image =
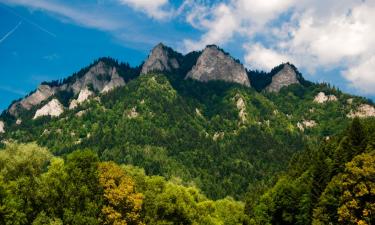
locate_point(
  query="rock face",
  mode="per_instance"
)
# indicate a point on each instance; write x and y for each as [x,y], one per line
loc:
[116,81]
[2,127]
[84,94]
[161,59]
[214,64]
[42,93]
[241,106]
[306,124]
[53,108]
[363,111]
[285,77]
[321,98]
[101,77]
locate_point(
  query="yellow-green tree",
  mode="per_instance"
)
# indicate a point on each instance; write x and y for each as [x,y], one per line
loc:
[122,203]
[350,196]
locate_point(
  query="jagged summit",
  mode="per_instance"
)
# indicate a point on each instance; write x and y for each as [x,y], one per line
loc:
[101,76]
[284,76]
[43,92]
[162,59]
[105,74]
[214,64]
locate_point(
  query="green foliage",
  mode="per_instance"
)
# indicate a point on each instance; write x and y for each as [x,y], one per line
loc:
[349,197]
[80,190]
[331,184]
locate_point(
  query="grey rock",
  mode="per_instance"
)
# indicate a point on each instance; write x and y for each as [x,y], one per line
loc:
[285,77]
[161,59]
[42,93]
[100,77]
[214,64]
[53,108]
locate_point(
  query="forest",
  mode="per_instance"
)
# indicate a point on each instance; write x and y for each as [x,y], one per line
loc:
[165,150]
[333,184]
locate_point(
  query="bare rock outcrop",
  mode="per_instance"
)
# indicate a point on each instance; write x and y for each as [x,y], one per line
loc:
[53,108]
[84,94]
[100,77]
[162,58]
[285,77]
[214,64]
[241,106]
[364,110]
[132,113]
[2,127]
[321,98]
[306,124]
[42,93]
[116,81]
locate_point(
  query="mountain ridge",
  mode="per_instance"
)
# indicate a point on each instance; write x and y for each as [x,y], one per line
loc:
[161,59]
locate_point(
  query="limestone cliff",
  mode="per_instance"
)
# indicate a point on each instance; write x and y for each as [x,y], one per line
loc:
[101,77]
[214,64]
[161,59]
[42,93]
[285,77]
[53,108]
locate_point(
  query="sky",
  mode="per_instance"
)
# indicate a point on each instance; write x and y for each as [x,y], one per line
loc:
[329,41]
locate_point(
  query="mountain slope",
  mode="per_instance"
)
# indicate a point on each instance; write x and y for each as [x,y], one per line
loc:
[225,137]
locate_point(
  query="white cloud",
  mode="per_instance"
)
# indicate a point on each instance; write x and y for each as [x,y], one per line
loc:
[259,57]
[87,18]
[362,76]
[223,21]
[220,29]
[336,38]
[153,8]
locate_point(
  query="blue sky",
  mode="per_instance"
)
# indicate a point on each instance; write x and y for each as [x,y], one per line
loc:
[50,39]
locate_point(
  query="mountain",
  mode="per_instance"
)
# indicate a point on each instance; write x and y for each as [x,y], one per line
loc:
[283,78]
[201,121]
[162,59]
[215,64]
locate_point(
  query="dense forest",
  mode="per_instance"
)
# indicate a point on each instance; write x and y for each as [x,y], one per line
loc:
[333,184]
[165,150]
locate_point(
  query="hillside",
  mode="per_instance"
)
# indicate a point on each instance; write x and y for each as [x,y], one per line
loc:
[202,119]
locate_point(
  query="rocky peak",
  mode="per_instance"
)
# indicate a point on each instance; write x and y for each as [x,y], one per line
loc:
[162,58]
[42,93]
[214,64]
[100,77]
[285,77]
[53,108]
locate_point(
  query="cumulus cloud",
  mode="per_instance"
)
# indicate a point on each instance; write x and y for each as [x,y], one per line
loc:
[362,76]
[153,8]
[259,57]
[222,21]
[220,29]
